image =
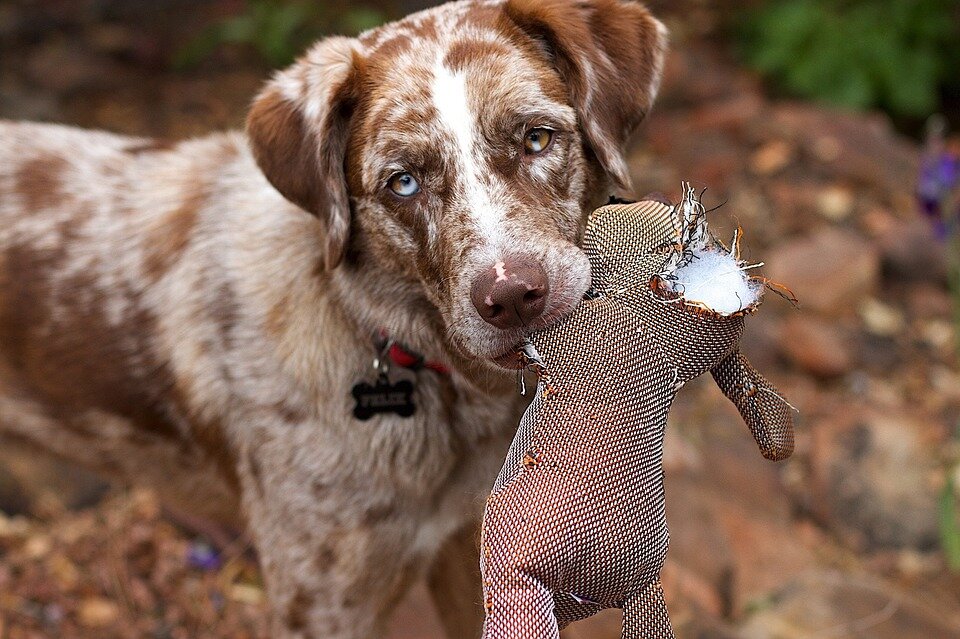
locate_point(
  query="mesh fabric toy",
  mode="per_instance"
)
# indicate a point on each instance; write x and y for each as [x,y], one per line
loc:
[575,522]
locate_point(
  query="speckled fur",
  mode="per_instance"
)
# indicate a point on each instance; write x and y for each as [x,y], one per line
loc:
[168,317]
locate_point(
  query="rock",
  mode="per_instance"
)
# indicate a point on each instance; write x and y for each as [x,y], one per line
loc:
[750,207]
[771,158]
[415,618]
[16,104]
[926,300]
[691,586]
[687,620]
[246,593]
[62,67]
[835,203]
[828,271]
[735,113]
[64,571]
[876,353]
[42,477]
[698,547]
[715,81]
[870,474]
[13,501]
[831,604]
[815,345]
[864,149]
[13,529]
[37,546]
[938,335]
[8,29]
[911,252]
[826,148]
[876,221]
[605,624]
[705,156]
[730,517]
[679,454]
[97,612]
[881,319]
[761,337]
[793,206]
[946,383]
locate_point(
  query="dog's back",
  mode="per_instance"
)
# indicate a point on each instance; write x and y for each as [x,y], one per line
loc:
[57,186]
[91,226]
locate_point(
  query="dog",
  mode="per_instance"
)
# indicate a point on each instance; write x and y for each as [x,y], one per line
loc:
[209,317]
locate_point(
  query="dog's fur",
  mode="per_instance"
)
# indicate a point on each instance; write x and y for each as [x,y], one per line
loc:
[171,314]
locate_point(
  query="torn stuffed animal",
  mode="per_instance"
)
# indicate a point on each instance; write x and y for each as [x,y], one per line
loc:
[576,522]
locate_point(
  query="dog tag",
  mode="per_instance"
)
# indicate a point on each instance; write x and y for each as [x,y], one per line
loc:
[383,397]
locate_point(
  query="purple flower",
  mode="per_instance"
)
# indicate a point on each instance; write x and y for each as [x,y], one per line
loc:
[939,176]
[202,556]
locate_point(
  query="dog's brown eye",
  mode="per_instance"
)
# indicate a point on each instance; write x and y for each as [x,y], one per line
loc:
[404,184]
[537,140]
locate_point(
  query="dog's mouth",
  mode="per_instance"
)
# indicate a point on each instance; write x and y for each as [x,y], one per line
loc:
[511,358]
[502,347]
[485,339]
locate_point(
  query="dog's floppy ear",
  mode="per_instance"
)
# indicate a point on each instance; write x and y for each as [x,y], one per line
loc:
[298,129]
[610,54]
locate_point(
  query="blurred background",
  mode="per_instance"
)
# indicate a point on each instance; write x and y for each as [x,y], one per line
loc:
[820,126]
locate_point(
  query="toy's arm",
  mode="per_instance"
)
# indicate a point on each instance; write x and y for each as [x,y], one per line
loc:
[764,410]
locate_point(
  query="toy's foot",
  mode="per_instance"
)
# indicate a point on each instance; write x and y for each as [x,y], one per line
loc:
[645,615]
[523,610]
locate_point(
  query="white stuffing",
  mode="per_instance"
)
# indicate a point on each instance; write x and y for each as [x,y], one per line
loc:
[713,278]
[701,272]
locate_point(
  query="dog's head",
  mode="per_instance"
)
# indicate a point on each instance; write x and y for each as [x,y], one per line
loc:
[462,147]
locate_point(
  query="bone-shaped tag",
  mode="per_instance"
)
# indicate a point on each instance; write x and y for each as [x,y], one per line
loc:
[383,397]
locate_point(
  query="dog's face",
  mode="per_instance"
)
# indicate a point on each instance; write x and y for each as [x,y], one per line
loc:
[462,147]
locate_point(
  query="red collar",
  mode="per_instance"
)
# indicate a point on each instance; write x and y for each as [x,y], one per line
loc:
[403,357]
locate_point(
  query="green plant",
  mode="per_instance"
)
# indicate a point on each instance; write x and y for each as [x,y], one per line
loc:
[949,522]
[894,54]
[278,30]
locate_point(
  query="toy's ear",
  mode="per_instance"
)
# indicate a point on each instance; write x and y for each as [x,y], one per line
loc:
[620,238]
[764,410]
[298,130]
[610,55]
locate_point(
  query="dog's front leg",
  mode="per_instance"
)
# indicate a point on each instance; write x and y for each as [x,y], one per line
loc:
[335,555]
[454,581]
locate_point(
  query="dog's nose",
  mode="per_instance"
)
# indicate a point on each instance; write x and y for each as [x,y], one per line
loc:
[511,294]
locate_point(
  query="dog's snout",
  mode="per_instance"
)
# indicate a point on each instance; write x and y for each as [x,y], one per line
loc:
[511,294]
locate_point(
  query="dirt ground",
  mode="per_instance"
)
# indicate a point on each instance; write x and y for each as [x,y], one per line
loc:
[843,540]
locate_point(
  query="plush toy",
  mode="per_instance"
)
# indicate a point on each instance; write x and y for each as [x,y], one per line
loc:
[575,522]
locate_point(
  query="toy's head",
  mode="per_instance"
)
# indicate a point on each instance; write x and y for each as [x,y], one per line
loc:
[666,299]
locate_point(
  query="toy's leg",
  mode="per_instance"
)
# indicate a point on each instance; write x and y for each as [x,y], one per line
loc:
[762,407]
[645,615]
[520,610]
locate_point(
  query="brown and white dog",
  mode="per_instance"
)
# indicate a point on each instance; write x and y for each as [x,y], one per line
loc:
[194,316]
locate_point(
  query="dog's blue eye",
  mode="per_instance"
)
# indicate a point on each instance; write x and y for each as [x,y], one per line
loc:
[404,184]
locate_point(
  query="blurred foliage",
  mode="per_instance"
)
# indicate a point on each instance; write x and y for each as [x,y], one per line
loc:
[950,522]
[900,55]
[278,30]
